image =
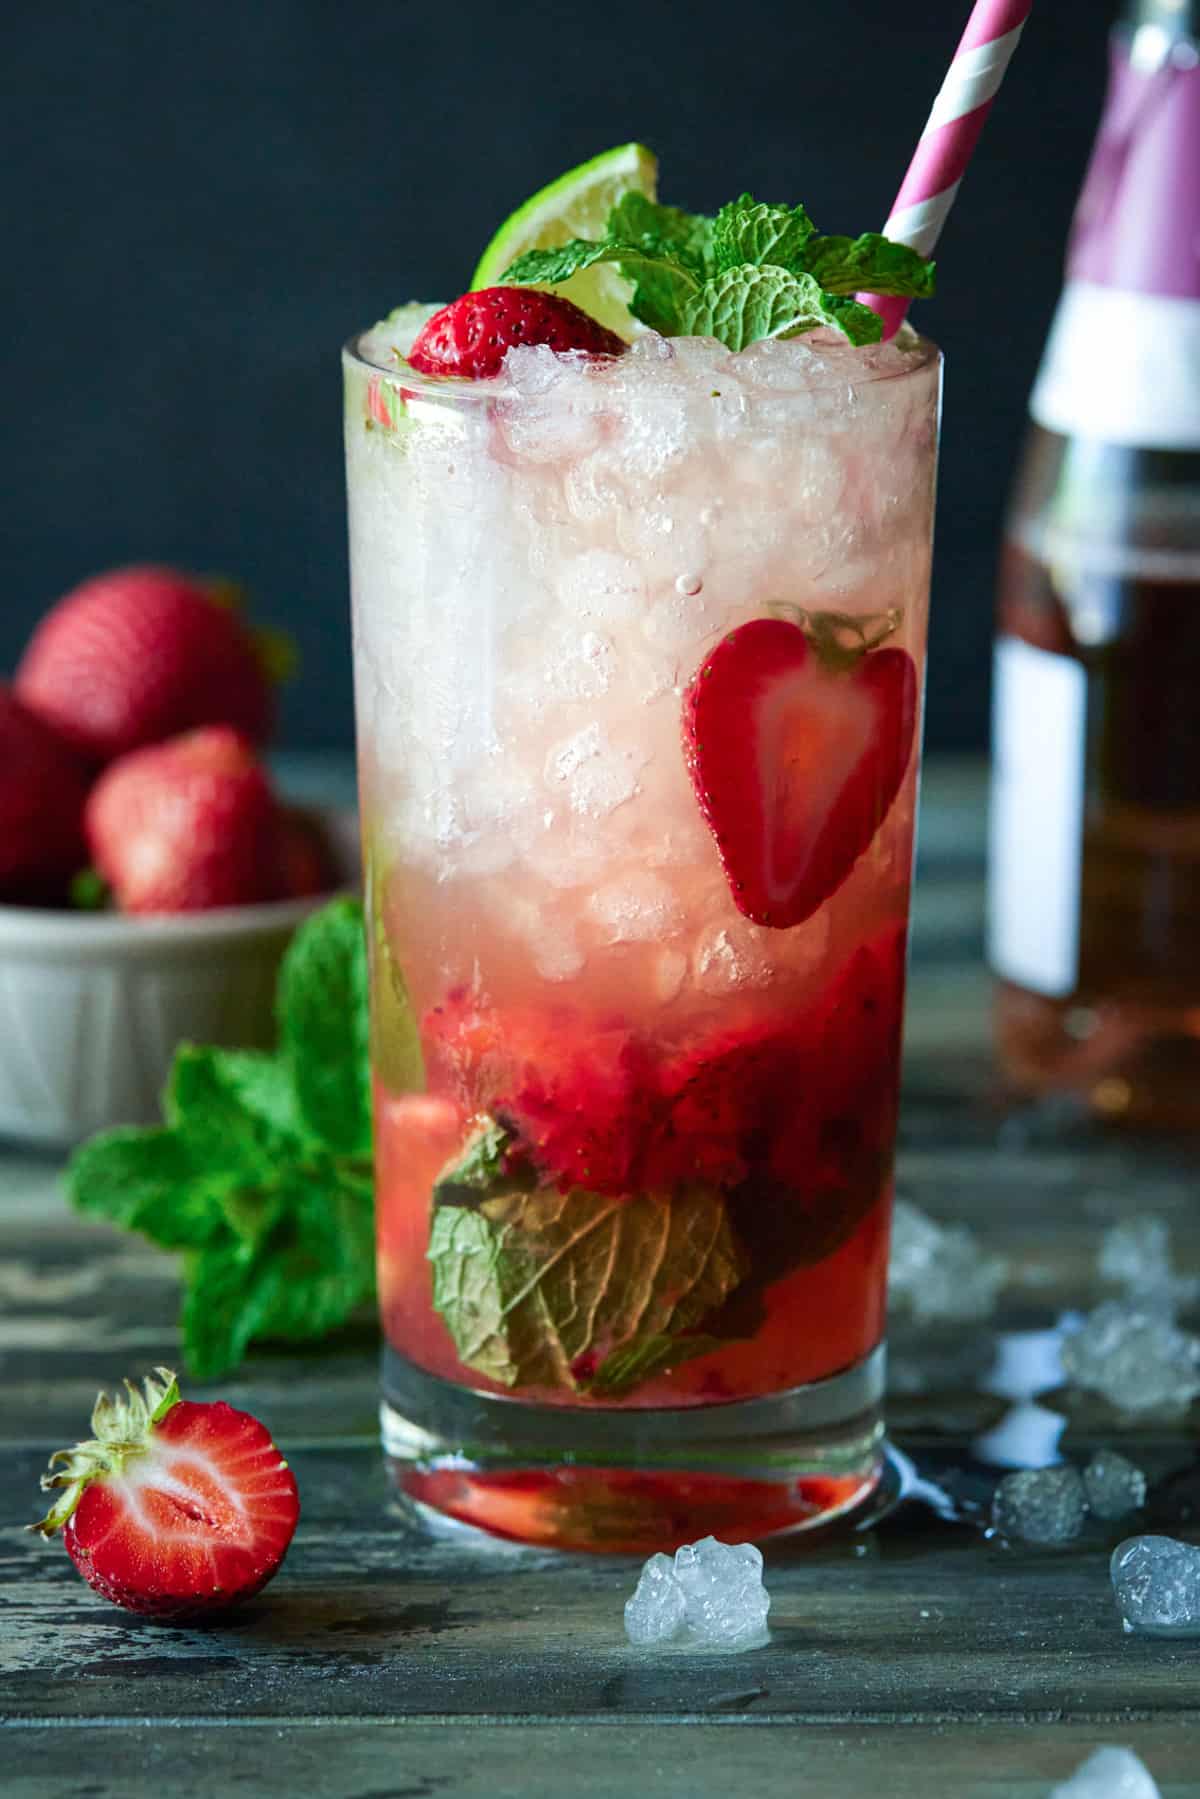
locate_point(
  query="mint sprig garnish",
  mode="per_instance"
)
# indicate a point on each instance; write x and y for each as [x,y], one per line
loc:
[574,1291]
[753,271]
[261,1174]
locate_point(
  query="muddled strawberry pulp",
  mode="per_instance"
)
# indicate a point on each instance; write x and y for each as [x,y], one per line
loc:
[619,1219]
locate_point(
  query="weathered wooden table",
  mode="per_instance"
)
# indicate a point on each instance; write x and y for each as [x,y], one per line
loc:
[918,1656]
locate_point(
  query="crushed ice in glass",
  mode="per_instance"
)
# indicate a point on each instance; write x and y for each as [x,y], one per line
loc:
[1136,1255]
[1040,1505]
[1109,1774]
[938,1271]
[1135,1356]
[1156,1581]
[711,1596]
[1114,1486]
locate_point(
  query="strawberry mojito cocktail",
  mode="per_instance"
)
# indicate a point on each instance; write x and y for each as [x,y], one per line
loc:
[640,537]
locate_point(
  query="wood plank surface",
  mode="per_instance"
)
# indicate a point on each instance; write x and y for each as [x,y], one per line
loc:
[399,1758]
[916,1655]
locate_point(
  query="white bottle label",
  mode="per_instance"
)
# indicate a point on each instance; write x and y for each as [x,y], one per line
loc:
[1035,837]
[1124,367]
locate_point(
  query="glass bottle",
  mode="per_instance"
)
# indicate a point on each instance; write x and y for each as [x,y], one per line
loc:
[1094,864]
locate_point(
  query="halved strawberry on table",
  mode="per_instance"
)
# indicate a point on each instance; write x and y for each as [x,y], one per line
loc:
[173,1508]
[796,761]
[473,334]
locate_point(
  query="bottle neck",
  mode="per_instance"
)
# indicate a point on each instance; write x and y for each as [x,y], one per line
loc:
[1123,360]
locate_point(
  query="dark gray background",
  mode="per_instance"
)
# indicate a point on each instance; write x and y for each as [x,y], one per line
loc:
[203,201]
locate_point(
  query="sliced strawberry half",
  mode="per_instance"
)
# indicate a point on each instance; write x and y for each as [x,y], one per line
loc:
[795,763]
[474,334]
[173,1508]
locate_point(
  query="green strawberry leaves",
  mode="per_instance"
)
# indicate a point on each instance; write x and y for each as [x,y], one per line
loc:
[753,271]
[261,1172]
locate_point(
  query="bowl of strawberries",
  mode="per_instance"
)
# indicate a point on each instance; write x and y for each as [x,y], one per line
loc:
[150,874]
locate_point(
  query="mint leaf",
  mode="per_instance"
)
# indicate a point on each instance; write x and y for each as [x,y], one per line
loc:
[662,282]
[323,1027]
[743,304]
[309,1267]
[235,1109]
[227,1294]
[745,231]
[629,1367]
[479,1169]
[871,263]
[262,1172]
[663,230]
[861,324]
[148,1181]
[543,1288]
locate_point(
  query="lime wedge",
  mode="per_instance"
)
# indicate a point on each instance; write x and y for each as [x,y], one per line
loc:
[577,205]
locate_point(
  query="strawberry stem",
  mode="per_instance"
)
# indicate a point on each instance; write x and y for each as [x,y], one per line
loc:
[122,1428]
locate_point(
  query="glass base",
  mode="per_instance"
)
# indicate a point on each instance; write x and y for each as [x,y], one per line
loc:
[629,1481]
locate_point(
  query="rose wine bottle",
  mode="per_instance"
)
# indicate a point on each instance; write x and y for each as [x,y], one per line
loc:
[1094,866]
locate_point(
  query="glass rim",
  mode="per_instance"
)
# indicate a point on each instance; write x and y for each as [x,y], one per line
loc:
[462,390]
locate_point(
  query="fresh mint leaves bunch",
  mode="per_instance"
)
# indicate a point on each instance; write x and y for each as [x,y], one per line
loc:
[751,272]
[261,1174]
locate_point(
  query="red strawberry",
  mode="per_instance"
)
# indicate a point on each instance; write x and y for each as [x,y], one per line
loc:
[186,825]
[721,1101]
[307,867]
[849,1121]
[173,1508]
[580,1096]
[139,654]
[43,786]
[474,333]
[795,765]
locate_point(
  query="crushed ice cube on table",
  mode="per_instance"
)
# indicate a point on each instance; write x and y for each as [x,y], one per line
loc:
[1040,1505]
[1114,1485]
[1135,1356]
[656,1612]
[710,1596]
[1136,1255]
[1109,1774]
[938,1272]
[1156,1581]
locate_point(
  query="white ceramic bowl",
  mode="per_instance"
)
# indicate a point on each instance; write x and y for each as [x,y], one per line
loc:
[92,1005]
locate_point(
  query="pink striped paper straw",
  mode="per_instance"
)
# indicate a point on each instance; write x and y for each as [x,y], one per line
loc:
[950,136]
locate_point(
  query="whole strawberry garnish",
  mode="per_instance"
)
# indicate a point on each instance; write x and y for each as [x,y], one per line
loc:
[474,333]
[795,760]
[139,654]
[186,825]
[172,1508]
[43,786]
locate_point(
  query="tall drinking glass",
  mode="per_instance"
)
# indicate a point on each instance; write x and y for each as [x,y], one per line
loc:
[638,649]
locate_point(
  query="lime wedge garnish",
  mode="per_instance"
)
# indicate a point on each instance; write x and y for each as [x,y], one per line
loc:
[577,205]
